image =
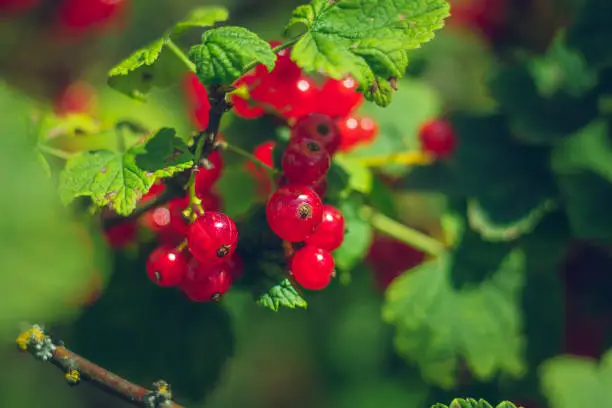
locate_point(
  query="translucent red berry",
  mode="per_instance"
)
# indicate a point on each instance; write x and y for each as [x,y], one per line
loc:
[319,127]
[211,201]
[208,174]
[197,98]
[356,130]
[205,282]
[120,235]
[294,212]
[312,267]
[320,187]
[169,217]
[212,237]
[330,234]
[262,152]
[339,97]
[302,97]
[305,161]
[82,14]
[166,266]
[438,137]
[247,108]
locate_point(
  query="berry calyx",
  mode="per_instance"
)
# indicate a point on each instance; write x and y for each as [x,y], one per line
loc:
[166,266]
[330,234]
[208,174]
[319,127]
[305,161]
[205,282]
[438,138]
[212,237]
[312,267]
[294,212]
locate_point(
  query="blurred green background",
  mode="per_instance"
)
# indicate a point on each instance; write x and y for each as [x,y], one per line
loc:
[339,353]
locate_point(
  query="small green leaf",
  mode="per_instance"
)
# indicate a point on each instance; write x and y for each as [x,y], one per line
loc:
[437,326]
[360,178]
[202,17]
[366,39]
[283,294]
[472,403]
[109,178]
[576,382]
[153,65]
[225,52]
[164,154]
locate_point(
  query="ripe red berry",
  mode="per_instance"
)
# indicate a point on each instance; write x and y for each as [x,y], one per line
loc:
[330,234]
[300,98]
[120,235]
[83,14]
[205,282]
[438,137]
[262,152]
[355,130]
[197,98]
[312,267]
[212,237]
[169,217]
[305,161]
[320,187]
[339,98]
[78,97]
[206,177]
[294,212]
[211,201]
[319,127]
[247,109]
[235,266]
[166,266]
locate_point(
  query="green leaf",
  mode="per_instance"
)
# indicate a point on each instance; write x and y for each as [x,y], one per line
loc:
[202,17]
[575,382]
[283,294]
[357,238]
[438,326]
[151,66]
[109,178]
[509,199]
[360,178]
[237,189]
[366,39]
[472,403]
[225,52]
[165,154]
[45,257]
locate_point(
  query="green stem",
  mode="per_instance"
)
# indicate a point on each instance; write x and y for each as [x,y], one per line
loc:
[180,54]
[275,50]
[193,198]
[401,232]
[62,154]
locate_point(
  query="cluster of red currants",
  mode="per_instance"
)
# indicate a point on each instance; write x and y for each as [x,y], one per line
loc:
[73,15]
[205,267]
[295,211]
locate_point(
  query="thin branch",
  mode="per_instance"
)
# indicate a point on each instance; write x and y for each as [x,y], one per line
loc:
[77,368]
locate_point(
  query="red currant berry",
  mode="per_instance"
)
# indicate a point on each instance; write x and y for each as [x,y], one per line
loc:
[82,14]
[294,212]
[305,161]
[197,98]
[205,282]
[285,70]
[118,236]
[247,109]
[166,266]
[208,175]
[319,127]
[17,6]
[302,98]
[330,234]
[262,152]
[312,267]
[155,190]
[212,238]
[211,201]
[79,97]
[235,266]
[320,187]
[438,137]
[340,98]
[355,130]
[390,258]
[369,129]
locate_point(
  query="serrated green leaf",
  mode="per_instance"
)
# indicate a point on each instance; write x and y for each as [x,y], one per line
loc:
[164,154]
[283,294]
[437,326]
[151,66]
[472,403]
[360,178]
[202,17]
[575,382]
[368,40]
[226,51]
[109,178]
